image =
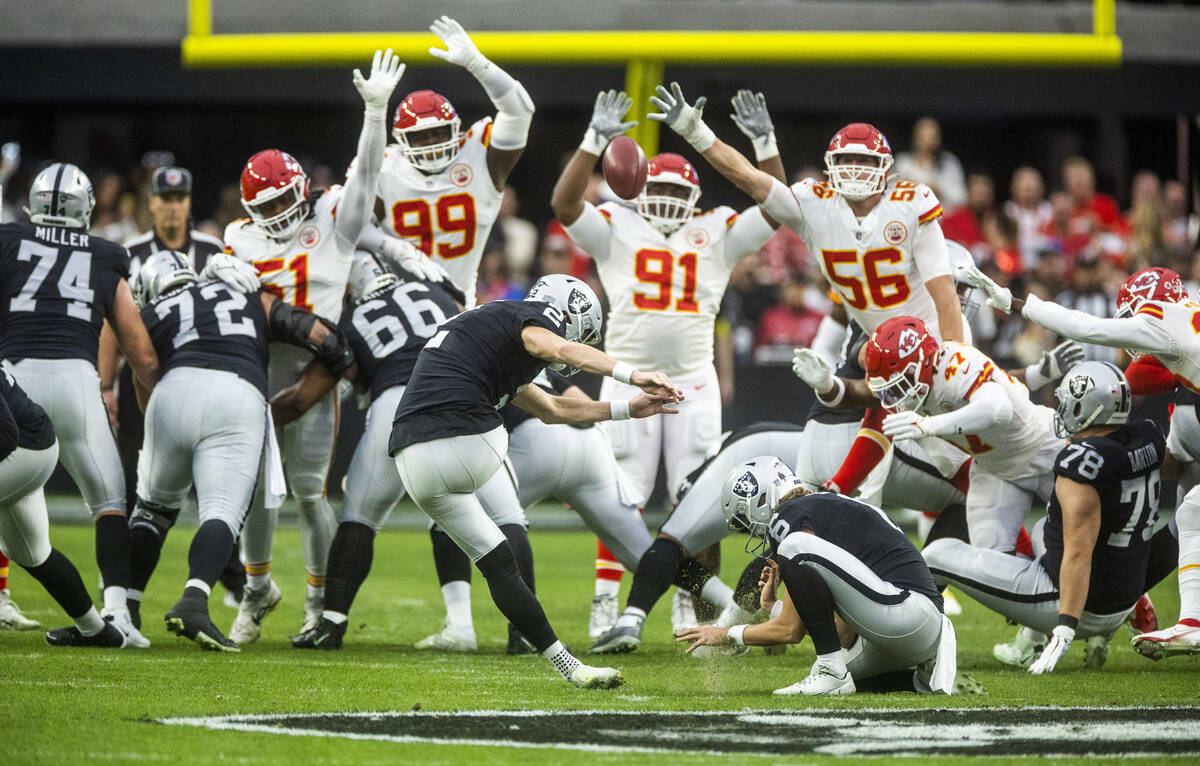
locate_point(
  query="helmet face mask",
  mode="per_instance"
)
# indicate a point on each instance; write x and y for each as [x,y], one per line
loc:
[669,197]
[162,272]
[61,195]
[427,129]
[579,306]
[857,161]
[1091,394]
[902,391]
[899,362]
[275,193]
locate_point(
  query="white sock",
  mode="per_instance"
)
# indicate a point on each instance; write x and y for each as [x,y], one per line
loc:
[457,595]
[607,587]
[564,662]
[316,592]
[1187,520]
[133,595]
[200,584]
[733,615]
[114,597]
[259,581]
[717,593]
[835,661]
[632,617]
[91,623]
[335,617]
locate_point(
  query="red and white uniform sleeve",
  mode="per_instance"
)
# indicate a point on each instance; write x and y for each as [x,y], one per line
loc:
[781,204]
[591,231]
[747,234]
[358,193]
[929,251]
[1141,332]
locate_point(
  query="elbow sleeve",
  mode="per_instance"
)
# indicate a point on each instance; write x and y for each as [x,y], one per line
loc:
[293,325]
[514,113]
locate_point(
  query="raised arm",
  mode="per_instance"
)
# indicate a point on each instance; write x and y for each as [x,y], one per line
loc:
[358,194]
[832,391]
[752,118]
[514,107]
[607,123]
[134,342]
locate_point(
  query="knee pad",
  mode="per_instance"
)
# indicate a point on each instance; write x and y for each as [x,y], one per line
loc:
[991,534]
[157,518]
[1187,515]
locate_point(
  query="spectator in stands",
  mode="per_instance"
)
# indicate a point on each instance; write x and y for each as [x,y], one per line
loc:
[112,217]
[787,325]
[1092,211]
[1029,209]
[495,280]
[520,237]
[1147,243]
[229,209]
[1088,293]
[965,225]
[1145,188]
[1180,228]
[928,163]
[10,160]
[1059,228]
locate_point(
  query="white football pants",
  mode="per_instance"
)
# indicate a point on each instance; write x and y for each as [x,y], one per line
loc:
[24,523]
[996,508]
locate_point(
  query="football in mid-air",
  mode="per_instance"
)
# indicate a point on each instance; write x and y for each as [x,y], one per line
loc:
[625,167]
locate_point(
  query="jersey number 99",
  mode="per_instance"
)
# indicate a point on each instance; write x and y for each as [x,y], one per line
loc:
[413,220]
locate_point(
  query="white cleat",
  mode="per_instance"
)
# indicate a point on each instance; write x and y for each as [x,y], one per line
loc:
[1097,652]
[821,680]
[1168,642]
[683,611]
[449,639]
[950,605]
[314,604]
[256,604]
[1020,652]
[124,622]
[11,617]
[588,677]
[605,611]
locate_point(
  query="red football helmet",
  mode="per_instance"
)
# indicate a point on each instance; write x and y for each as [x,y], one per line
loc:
[899,363]
[665,211]
[1152,284]
[858,180]
[275,192]
[426,127]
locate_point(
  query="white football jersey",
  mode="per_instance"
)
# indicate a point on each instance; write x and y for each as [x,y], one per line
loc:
[1009,450]
[664,291]
[448,214]
[1180,321]
[870,264]
[310,271]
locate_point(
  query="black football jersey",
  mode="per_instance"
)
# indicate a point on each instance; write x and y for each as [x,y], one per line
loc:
[56,287]
[469,370]
[388,329]
[198,246]
[34,430]
[549,381]
[861,530]
[847,368]
[1123,466]
[212,326]
[690,480]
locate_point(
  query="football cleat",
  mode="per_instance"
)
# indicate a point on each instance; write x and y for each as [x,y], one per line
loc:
[314,604]
[11,617]
[683,612]
[588,677]
[821,680]
[619,640]
[518,644]
[1183,638]
[110,637]
[964,684]
[189,618]
[1143,619]
[449,639]
[604,615]
[327,635]
[124,622]
[1097,652]
[256,604]
[950,605]
[1021,651]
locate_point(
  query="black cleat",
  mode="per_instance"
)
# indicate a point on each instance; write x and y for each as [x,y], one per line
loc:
[327,635]
[189,618]
[619,640]
[109,637]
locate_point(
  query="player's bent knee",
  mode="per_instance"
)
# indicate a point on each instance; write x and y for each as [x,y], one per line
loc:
[992,534]
[157,518]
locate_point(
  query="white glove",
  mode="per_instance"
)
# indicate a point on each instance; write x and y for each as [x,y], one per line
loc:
[460,49]
[687,121]
[813,370]
[232,271]
[1060,642]
[405,255]
[1053,364]
[386,71]
[752,118]
[607,115]
[999,297]
[905,425]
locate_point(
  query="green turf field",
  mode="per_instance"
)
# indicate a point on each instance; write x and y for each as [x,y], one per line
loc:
[102,706]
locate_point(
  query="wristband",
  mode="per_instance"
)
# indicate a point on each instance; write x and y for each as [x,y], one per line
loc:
[593,143]
[1068,621]
[840,385]
[735,634]
[1034,379]
[623,373]
[765,147]
[619,410]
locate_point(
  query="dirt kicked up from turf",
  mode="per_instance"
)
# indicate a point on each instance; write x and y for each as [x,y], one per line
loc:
[1111,732]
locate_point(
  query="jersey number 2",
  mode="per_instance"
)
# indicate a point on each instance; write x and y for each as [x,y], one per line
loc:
[413,219]
[657,267]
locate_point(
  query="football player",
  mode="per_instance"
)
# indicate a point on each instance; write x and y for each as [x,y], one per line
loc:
[448,437]
[664,268]
[1097,534]
[59,285]
[1154,317]
[206,420]
[386,325]
[842,561]
[28,453]
[302,245]
[440,189]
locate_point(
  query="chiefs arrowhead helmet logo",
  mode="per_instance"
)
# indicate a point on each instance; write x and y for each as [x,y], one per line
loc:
[908,341]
